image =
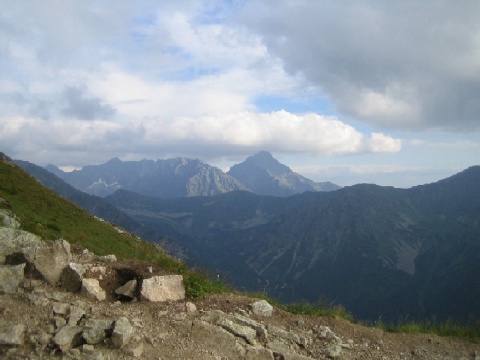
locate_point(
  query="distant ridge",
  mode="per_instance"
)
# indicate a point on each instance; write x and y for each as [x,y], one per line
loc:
[265,175]
[179,177]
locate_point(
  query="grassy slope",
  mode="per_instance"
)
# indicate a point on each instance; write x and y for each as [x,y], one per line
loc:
[48,215]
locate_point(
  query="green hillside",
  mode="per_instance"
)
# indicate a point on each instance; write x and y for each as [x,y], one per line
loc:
[48,215]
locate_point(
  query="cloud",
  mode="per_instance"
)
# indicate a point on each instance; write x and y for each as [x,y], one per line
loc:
[45,141]
[78,106]
[403,65]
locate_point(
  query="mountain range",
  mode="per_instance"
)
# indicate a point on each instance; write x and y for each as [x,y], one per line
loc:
[180,177]
[383,253]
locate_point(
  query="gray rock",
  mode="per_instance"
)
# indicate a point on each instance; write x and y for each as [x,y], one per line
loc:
[190,307]
[76,314]
[122,332]
[72,276]
[60,308]
[91,288]
[262,308]
[8,219]
[95,330]
[13,241]
[109,258]
[51,259]
[259,353]
[12,335]
[288,335]
[68,337]
[163,288]
[333,351]
[135,350]
[245,332]
[10,278]
[128,290]
[259,328]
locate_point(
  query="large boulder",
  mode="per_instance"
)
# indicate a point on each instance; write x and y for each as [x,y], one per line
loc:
[163,288]
[51,259]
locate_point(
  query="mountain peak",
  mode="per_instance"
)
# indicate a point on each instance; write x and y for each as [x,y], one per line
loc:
[265,175]
[265,160]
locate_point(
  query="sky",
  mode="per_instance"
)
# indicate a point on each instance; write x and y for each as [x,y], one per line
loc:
[365,91]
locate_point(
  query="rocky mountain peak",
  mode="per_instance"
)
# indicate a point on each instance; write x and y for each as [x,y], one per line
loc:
[265,175]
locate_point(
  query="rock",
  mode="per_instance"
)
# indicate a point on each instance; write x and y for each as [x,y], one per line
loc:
[108,258]
[333,351]
[88,349]
[13,241]
[68,337]
[163,288]
[245,332]
[72,276]
[122,332]
[51,259]
[259,328]
[91,288]
[262,308]
[76,314]
[8,219]
[60,308]
[190,307]
[10,278]
[12,335]
[128,290]
[288,335]
[95,330]
[135,350]
[259,353]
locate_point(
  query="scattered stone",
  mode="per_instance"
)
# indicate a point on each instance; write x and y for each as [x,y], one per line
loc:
[288,335]
[68,337]
[190,307]
[262,308]
[108,258]
[135,350]
[12,335]
[333,351]
[128,290]
[95,330]
[91,288]
[245,332]
[259,353]
[163,288]
[88,349]
[122,332]
[72,276]
[98,270]
[60,308]
[8,219]
[259,328]
[76,314]
[10,278]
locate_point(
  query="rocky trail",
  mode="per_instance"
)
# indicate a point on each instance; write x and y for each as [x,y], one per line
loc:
[59,301]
